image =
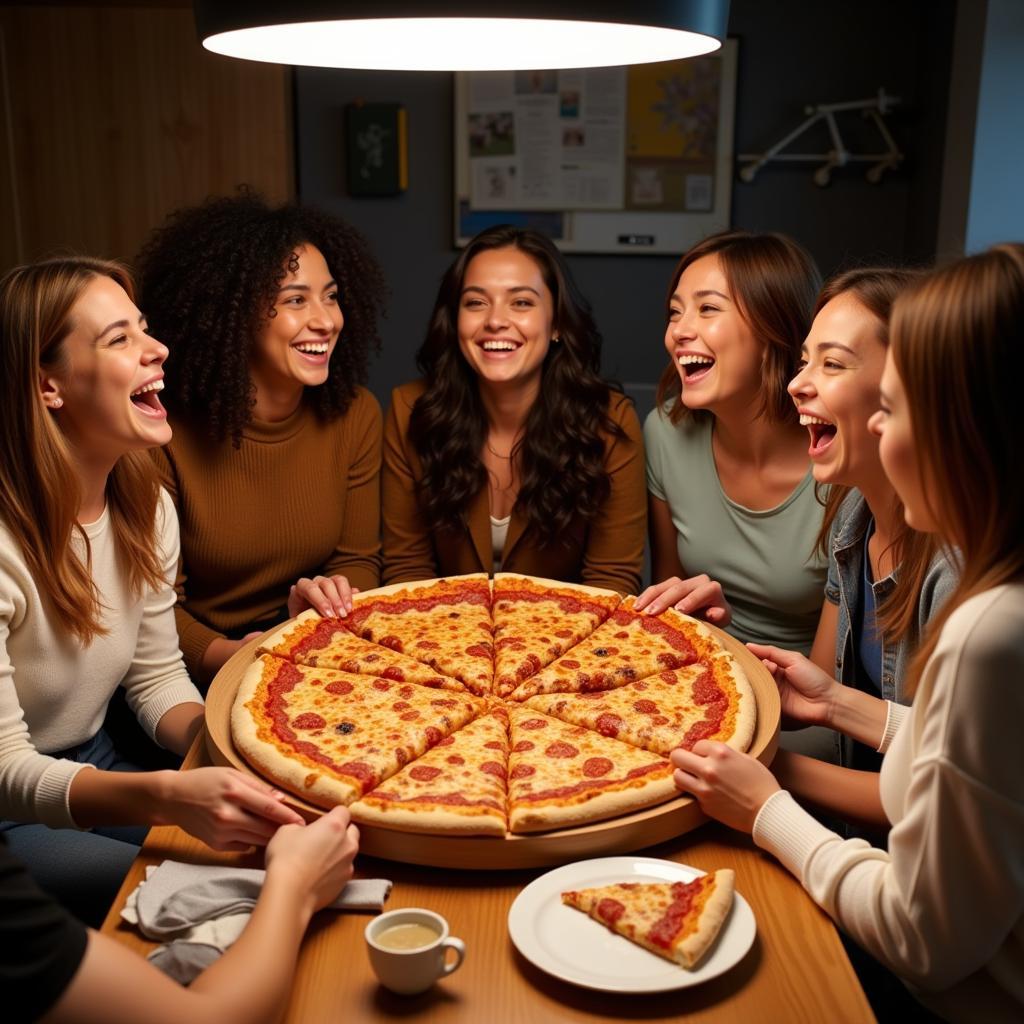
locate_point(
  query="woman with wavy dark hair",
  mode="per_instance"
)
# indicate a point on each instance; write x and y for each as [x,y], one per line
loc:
[733,513]
[512,452]
[270,314]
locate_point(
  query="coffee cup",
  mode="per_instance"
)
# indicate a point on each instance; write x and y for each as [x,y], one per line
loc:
[409,949]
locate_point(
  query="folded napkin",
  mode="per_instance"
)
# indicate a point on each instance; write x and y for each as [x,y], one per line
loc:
[202,909]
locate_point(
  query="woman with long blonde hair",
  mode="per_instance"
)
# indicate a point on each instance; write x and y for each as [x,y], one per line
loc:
[944,907]
[88,547]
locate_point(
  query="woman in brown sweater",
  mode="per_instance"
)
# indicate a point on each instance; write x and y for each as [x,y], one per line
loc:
[269,315]
[512,453]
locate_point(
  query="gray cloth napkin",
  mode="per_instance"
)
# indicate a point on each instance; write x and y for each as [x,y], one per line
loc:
[203,909]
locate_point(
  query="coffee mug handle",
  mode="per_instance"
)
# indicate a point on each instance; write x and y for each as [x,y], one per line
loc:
[460,954]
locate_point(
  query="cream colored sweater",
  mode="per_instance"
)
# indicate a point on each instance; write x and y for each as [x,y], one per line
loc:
[54,692]
[944,908]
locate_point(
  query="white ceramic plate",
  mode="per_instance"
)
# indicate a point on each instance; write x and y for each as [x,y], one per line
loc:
[572,946]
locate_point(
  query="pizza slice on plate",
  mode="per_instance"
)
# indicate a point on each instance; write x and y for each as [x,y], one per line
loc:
[443,623]
[677,920]
[457,788]
[712,701]
[331,736]
[536,620]
[561,775]
[627,647]
[328,643]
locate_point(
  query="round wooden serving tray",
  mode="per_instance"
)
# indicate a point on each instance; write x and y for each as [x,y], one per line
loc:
[619,835]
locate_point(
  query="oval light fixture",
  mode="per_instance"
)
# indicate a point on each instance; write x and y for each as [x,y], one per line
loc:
[457,36]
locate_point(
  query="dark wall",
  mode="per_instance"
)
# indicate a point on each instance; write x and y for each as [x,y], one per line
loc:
[792,53]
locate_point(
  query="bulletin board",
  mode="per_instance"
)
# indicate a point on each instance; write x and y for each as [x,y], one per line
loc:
[632,159]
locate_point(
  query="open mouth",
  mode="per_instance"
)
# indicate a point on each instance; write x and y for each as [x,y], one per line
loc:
[500,346]
[313,351]
[695,367]
[822,433]
[147,399]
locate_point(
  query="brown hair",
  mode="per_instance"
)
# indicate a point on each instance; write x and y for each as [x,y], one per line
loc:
[958,346]
[876,289]
[39,492]
[773,281]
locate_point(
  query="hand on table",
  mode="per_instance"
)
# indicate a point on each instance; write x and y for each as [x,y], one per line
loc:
[317,859]
[225,808]
[806,691]
[729,786]
[331,596]
[699,596]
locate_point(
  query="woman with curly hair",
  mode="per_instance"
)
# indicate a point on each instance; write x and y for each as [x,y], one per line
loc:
[512,453]
[269,314]
[88,552]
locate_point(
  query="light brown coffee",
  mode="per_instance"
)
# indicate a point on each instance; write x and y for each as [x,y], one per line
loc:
[407,936]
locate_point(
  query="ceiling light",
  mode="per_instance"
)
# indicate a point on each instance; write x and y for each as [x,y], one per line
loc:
[454,36]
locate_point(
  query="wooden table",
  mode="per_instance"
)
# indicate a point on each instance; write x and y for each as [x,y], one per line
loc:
[796,970]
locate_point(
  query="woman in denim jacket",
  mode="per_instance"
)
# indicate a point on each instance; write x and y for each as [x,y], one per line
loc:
[885,580]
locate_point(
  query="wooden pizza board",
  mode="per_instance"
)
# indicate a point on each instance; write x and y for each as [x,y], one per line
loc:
[619,835]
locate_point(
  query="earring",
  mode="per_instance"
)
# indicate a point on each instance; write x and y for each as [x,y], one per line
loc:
[555,340]
[56,403]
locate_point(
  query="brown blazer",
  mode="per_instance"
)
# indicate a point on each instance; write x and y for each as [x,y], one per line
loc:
[607,552]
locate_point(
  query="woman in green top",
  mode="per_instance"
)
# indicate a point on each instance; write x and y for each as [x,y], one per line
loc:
[732,510]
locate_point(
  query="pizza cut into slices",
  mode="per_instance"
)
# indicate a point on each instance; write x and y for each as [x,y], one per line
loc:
[443,623]
[536,620]
[332,736]
[456,788]
[561,775]
[329,643]
[627,647]
[711,700]
[677,920]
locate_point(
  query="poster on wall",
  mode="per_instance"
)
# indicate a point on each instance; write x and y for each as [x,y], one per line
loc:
[629,159]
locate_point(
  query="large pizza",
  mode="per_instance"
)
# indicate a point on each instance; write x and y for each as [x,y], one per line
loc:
[470,706]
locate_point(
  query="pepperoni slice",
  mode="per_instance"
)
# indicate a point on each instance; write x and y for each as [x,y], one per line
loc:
[434,736]
[339,689]
[381,684]
[561,749]
[522,771]
[595,767]
[423,773]
[447,741]
[522,746]
[394,674]
[401,705]
[495,745]
[533,723]
[608,724]
[610,910]
[308,721]
[454,759]
[645,707]
[409,716]
[493,768]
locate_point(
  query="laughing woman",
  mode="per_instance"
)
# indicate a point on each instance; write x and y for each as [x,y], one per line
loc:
[733,513]
[512,453]
[944,908]
[275,464]
[88,546]
[885,580]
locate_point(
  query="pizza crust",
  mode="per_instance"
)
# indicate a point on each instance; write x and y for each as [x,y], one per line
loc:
[716,909]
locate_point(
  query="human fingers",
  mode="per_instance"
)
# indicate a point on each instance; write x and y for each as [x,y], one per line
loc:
[653,591]
[305,593]
[779,655]
[705,598]
[337,593]
[262,801]
[670,593]
[687,783]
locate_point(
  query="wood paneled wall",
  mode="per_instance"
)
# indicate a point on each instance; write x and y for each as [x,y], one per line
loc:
[113,116]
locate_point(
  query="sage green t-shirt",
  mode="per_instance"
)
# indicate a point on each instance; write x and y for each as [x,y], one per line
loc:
[764,561]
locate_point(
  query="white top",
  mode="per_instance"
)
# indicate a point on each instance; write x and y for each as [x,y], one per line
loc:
[944,908]
[499,531]
[54,692]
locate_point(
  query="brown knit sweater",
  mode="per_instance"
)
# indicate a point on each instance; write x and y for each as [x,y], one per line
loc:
[299,497]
